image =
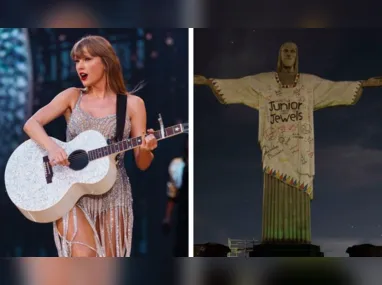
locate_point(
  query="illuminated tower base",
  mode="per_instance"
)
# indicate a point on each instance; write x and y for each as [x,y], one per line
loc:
[286,227]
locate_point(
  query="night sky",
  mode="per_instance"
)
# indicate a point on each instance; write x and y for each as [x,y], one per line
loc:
[348,140]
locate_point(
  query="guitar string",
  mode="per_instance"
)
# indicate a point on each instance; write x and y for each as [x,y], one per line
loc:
[156,132]
[80,155]
[86,154]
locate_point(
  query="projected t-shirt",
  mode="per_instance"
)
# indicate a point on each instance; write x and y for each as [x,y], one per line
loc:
[286,130]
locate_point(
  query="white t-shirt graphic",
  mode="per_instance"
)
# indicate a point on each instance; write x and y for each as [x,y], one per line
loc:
[286,129]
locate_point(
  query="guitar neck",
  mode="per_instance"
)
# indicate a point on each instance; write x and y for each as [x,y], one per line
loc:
[132,143]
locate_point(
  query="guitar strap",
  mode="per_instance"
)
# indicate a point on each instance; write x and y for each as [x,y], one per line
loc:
[121,116]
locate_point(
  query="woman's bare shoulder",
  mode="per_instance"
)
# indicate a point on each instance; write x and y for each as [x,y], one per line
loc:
[71,95]
[71,91]
[135,103]
[134,99]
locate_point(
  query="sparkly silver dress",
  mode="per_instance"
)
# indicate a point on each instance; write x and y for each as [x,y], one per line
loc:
[110,215]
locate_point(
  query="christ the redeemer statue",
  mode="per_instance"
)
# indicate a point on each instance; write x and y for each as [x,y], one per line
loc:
[286,100]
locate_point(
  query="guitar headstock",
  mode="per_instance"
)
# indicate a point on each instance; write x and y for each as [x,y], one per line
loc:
[185,127]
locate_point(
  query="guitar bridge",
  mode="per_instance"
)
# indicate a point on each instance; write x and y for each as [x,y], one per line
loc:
[48,170]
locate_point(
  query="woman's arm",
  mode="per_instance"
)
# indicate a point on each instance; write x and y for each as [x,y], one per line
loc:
[143,154]
[34,127]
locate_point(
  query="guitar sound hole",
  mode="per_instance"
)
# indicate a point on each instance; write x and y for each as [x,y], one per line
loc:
[78,160]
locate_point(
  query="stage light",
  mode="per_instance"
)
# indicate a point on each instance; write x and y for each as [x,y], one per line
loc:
[169,41]
[15,88]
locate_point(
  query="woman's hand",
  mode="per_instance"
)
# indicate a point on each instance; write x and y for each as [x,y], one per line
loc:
[149,143]
[57,156]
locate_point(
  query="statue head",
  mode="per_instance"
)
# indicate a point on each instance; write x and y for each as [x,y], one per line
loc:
[288,57]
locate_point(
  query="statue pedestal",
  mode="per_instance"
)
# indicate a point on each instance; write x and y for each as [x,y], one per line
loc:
[286,250]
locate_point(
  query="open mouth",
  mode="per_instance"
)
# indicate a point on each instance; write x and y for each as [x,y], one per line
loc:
[83,76]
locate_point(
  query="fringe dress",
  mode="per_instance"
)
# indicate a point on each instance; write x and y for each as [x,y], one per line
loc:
[110,215]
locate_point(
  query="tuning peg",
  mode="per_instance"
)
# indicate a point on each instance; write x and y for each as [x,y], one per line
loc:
[185,127]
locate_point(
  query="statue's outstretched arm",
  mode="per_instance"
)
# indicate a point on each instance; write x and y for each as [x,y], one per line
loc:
[372,82]
[232,91]
[202,80]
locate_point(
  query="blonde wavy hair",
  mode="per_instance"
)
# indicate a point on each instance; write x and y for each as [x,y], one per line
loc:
[99,46]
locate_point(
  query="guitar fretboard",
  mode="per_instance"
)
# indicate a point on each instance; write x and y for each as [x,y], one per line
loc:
[132,143]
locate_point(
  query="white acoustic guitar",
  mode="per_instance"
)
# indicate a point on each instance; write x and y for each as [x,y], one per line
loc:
[44,193]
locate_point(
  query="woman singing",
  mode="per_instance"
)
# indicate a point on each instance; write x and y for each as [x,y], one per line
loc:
[97,225]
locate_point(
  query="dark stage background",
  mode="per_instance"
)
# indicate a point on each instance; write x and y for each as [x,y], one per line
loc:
[35,65]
